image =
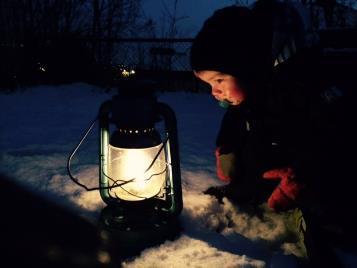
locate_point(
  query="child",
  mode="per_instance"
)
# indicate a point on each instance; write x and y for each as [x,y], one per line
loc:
[237,65]
[281,124]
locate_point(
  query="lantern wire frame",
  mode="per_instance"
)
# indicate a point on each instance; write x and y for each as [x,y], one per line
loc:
[114,181]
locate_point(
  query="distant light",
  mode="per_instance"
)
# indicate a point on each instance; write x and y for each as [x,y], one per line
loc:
[42,67]
[125,73]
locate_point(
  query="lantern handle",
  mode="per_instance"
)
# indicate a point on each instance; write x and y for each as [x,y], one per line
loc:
[75,180]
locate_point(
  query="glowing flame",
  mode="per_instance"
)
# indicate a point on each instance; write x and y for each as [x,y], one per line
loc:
[132,165]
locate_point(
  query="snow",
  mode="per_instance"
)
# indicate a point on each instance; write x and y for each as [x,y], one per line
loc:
[40,126]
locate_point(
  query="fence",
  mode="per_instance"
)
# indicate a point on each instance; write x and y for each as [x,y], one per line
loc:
[145,53]
[62,60]
[164,60]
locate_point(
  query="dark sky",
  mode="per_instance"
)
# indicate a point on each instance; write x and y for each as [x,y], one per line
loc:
[195,10]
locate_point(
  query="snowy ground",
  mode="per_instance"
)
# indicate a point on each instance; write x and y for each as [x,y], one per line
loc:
[40,126]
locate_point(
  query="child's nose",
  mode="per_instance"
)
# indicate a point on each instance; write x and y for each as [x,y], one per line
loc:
[216,91]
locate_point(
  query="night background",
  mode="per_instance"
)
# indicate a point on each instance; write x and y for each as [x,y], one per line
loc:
[61,59]
[91,41]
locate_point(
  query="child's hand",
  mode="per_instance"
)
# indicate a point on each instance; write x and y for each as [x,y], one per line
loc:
[285,195]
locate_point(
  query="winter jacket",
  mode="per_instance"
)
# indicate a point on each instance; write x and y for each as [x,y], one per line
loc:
[300,125]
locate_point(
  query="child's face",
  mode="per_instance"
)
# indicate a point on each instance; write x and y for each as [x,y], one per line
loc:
[225,87]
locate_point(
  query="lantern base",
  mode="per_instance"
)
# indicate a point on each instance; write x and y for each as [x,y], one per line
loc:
[125,234]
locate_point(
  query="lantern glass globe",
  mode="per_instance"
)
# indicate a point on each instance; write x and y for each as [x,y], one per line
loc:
[134,165]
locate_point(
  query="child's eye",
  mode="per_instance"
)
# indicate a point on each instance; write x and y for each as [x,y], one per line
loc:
[219,80]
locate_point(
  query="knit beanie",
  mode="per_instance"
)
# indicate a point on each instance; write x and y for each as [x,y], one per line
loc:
[238,41]
[230,42]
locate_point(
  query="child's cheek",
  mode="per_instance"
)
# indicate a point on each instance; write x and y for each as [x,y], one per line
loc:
[237,94]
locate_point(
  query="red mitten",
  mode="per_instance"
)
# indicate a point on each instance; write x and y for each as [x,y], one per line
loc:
[285,195]
[225,165]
